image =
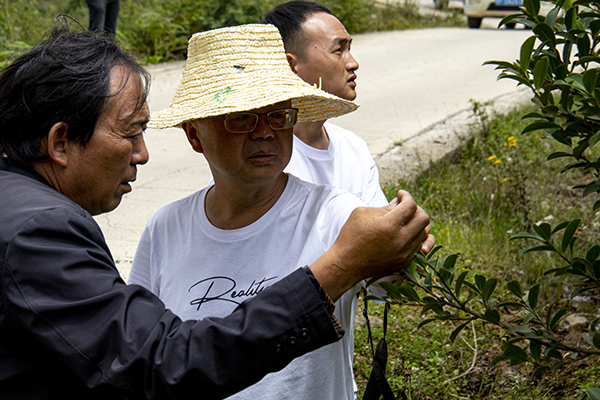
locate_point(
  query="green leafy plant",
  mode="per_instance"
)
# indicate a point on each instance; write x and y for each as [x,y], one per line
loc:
[559,63]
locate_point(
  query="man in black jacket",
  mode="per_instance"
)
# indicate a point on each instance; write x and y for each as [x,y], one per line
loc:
[72,115]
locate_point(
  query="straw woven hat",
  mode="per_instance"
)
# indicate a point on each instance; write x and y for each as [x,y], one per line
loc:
[241,68]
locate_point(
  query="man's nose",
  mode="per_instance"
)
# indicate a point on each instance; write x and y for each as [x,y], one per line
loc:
[352,64]
[263,130]
[140,152]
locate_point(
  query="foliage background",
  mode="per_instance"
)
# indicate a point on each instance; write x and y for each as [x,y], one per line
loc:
[158,30]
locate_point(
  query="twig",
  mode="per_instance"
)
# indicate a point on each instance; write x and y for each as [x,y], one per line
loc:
[472,367]
[458,397]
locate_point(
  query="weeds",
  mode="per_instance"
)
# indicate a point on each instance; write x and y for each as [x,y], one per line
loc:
[158,30]
[474,210]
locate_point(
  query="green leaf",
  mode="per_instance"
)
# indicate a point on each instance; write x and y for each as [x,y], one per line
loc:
[499,64]
[557,317]
[569,232]
[411,272]
[556,366]
[596,206]
[588,59]
[551,16]
[480,281]
[510,304]
[578,164]
[409,292]
[525,235]
[544,230]
[538,373]
[515,288]
[532,296]
[592,393]
[528,317]
[497,359]
[553,353]
[593,253]
[560,226]
[540,70]
[558,154]
[532,7]
[539,125]
[545,34]
[433,251]
[488,289]
[517,78]
[518,329]
[589,80]
[593,338]
[392,291]
[594,139]
[526,49]
[427,321]
[583,45]
[536,350]
[492,316]
[471,286]
[449,261]
[591,188]
[511,18]
[455,332]
[436,308]
[537,248]
[515,353]
[459,282]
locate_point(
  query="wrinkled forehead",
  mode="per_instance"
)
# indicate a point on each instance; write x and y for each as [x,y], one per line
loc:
[127,95]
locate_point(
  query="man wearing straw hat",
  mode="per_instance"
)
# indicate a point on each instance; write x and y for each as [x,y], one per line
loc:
[72,116]
[205,254]
[317,47]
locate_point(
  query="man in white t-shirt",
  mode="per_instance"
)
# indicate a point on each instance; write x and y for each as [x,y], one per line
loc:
[205,254]
[318,49]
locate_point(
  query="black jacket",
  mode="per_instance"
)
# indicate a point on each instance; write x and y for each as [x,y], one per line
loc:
[70,328]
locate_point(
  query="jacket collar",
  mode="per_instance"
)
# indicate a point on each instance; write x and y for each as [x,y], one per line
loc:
[21,169]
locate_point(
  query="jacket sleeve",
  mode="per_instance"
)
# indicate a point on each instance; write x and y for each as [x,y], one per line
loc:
[60,283]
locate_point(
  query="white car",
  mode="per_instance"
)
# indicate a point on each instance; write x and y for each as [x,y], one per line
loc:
[476,10]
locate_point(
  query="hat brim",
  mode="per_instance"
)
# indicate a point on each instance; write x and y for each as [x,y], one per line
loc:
[240,69]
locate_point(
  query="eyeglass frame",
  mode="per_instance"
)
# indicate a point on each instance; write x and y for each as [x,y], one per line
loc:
[258,115]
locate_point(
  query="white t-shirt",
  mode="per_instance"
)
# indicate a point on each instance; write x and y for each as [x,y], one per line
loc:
[199,271]
[346,164]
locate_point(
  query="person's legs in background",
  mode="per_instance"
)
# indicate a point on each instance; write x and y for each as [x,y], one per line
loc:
[97,14]
[112,13]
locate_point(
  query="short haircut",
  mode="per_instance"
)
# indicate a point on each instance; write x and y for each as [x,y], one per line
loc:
[65,78]
[288,18]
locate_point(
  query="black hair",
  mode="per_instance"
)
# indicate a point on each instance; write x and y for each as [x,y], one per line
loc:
[288,18]
[65,78]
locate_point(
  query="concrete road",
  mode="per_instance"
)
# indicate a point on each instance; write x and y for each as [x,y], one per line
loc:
[407,82]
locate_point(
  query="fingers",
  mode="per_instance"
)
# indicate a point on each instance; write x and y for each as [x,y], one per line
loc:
[428,244]
[404,209]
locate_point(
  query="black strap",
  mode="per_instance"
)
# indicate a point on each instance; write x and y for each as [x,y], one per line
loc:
[378,385]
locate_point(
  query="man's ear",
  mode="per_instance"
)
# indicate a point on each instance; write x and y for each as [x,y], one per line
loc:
[293,61]
[192,133]
[58,144]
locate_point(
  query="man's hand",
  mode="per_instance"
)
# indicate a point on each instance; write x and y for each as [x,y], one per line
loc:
[374,242]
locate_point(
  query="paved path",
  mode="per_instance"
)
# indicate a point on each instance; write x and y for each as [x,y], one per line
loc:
[407,82]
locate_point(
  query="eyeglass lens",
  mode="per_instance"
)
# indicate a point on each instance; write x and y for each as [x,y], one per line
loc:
[244,122]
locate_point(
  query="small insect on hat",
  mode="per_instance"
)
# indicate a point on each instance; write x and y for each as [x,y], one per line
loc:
[241,68]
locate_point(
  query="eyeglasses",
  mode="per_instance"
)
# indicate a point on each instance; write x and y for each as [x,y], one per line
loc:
[245,122]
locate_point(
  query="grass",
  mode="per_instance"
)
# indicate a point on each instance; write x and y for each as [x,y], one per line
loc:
[158,30]
[476,203]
